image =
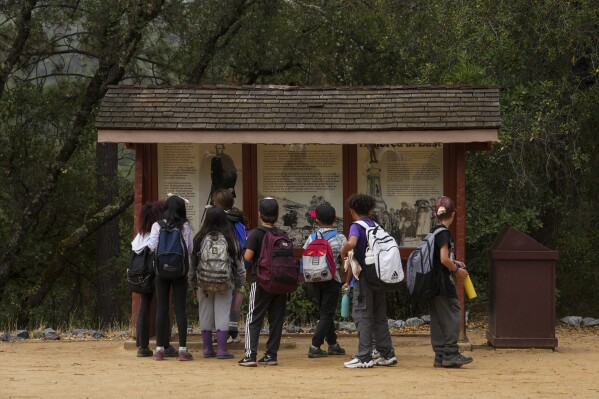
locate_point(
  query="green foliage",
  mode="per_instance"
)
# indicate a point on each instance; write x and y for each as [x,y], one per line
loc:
[538,177]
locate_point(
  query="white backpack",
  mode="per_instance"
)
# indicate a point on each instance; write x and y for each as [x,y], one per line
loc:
[383,269]
[215,270]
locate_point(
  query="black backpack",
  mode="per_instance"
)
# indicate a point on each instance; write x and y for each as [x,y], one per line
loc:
[140,272]
[171,261]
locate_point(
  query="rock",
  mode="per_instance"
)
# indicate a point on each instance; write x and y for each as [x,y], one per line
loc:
[572,320]
[265,331]
[5,337]
[414,321]
[97,335]
[49,333]
[426,318]
[294,330]
[589,322]
[38,335]
[347,326]
[23,334]
[396,323]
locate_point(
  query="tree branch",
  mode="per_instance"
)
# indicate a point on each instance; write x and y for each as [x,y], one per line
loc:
[72,242]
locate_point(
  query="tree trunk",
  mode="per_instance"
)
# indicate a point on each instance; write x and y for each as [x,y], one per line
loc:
[108,306]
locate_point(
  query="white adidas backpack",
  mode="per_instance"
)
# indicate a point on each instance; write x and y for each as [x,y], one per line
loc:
[383,269]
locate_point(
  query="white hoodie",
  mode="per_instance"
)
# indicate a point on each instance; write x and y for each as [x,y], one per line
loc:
[140,242]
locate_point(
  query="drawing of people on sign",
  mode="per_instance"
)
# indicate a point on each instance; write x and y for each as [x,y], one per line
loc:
[223,172]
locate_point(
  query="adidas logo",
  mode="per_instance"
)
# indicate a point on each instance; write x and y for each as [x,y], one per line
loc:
[394,276]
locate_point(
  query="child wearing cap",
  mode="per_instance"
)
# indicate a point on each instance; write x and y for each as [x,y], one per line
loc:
[444,308]
[327,293]
[260,301]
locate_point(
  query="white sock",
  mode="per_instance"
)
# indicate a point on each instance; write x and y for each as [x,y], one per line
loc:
[183,349]
[160,349]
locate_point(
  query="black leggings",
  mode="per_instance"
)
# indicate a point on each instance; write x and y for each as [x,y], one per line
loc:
[143,322]
[163,288]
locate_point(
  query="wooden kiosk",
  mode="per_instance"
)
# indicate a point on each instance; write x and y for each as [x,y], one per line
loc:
[404,145]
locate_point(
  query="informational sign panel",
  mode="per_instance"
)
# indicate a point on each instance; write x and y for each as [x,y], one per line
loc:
[300,177]
[405,180]
[193,171]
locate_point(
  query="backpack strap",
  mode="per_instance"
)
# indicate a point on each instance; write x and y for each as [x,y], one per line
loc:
[328,235]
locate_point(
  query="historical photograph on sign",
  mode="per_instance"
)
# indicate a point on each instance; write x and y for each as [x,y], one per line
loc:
[195,171]
[405,180]
[300,177]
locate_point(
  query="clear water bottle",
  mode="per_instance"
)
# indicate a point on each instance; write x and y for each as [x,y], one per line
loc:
[345,304]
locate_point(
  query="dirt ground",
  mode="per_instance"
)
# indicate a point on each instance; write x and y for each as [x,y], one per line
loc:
[105,369]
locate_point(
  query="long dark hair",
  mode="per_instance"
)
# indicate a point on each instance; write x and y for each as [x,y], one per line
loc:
[174,211]
[216,220]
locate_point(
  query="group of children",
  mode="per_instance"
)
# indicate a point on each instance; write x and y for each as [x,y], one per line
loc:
[369,305]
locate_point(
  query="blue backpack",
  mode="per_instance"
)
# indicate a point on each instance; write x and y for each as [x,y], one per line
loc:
[240,232]
[170,257]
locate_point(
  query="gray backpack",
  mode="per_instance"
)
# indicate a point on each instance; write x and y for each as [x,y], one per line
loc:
[423,279]
[215,270]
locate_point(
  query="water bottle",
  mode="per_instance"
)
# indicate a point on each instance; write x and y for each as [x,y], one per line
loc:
[345,304]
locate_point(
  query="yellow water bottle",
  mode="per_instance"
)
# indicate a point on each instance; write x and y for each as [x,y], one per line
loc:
[469,288]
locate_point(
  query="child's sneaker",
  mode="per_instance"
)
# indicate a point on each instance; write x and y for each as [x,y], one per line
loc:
[375,355]
[170,351]
[336,349]
[247,362]
[358,364]
[144,352]
[185,356]
[315,352]
[456,360]
[388,360]
[268,360]
[158,355]
[232,340]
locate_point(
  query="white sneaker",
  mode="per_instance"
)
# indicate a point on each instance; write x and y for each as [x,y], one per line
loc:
[231,340]
[358,364]
[375,354]
[381,361]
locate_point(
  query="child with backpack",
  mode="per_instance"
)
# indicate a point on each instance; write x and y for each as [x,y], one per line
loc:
[148,214]
[216,269]
[444,307]
[223,198]
[261,300]
[369,305]
[326,292]
[174,229]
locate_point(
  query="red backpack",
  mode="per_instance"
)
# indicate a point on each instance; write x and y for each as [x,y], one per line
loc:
[277,271]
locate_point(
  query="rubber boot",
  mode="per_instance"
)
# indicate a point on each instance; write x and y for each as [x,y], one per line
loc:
[207,340]
[221,339]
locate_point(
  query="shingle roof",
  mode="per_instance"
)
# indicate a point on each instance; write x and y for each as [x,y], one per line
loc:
[228,108]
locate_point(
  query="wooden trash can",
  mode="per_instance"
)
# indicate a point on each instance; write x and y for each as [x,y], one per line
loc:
[522,292]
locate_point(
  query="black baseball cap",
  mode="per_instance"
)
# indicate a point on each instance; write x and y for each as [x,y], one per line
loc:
[269,207]
[326,213]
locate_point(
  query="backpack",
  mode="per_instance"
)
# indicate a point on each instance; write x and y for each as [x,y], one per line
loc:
[140,273]
[277,271]
[215,271]
[423,279]
[241,232]
[382,262]
[170,257]
[318,260]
